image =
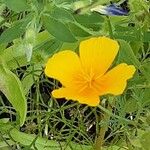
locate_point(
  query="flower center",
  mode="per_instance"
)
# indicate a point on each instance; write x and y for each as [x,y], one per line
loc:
[85,80]
[89,79]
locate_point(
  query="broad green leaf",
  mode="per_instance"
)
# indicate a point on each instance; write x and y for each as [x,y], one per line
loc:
[62,14]
[77,31]
[94,27]
[127,55]
[89,23]
[49,46]
[15,31]
[93,18]
[77,5]
[71,46]
[58,29]
[11,86]
[42,37]
[119,21]
[16,5]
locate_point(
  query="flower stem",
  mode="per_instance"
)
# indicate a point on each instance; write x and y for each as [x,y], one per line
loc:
[105,118]
[110,27]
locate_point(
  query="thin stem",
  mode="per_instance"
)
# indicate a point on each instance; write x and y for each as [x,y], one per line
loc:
[38,109]
[100,139]
[110,27]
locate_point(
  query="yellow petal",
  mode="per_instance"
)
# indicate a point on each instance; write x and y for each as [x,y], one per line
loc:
[63,66]
[115,80]
[89,99]
[98,54]
[63,93]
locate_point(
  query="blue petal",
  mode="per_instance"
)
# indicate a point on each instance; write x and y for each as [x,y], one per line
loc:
[115,10]
[112,10]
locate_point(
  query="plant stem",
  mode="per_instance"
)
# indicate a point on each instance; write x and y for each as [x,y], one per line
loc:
[106,116]
[110,27]
[100,139]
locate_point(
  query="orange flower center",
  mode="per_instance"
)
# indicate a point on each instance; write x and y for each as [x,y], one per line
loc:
[86,81]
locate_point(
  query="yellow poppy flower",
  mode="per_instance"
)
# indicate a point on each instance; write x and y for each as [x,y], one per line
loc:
[86,77]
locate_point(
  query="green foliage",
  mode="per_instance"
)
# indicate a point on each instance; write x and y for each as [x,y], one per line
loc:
[16,5]
[63,34]
[16,31]
[32,141]
[31,32]
[11,86]
[127,55]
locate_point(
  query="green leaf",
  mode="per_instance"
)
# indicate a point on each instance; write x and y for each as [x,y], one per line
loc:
[14,56]
[16,5]
[71,46]
[58,29]
[127,55]
[40,143]
[4,145]
[30,78]
[89,23]
[49,46]
[77,31]
[89,18]
[62,14]
[42,37]
[94,27]
[127,33]
[15,31]
[11,86]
